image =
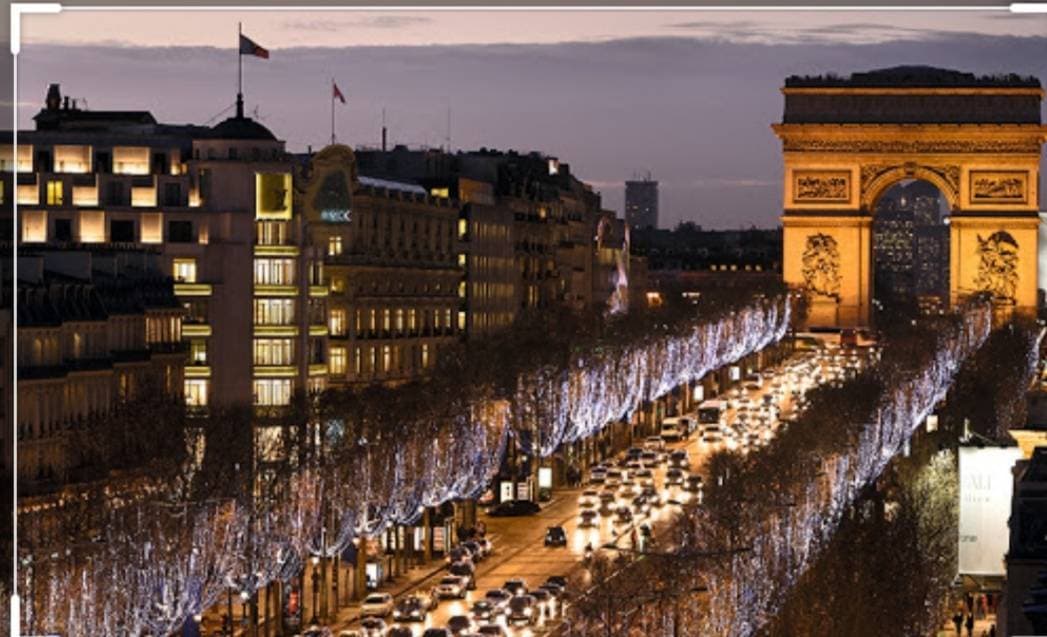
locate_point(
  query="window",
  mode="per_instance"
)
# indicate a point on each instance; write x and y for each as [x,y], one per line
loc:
[412,323]
[122,230]
[387,319]
[184,270]
[116,194]
[334,246]
[172,194]
[103,162]
[180,231]
[461,320]
[447,317]
[271,233]
[198,351]
[338,322]
[54,192]
[337,360]
[272,391]
[374,320]
[196,392]
[337,285]
[400,320]
[273,351]
[425,354]
[274,271]
[387,356]
[274,311]
[63,229]
[358,361]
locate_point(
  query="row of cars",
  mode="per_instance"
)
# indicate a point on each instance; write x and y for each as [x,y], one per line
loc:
[513,604]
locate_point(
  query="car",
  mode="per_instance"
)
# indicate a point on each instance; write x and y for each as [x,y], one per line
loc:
[514,508]
[410,609]
[460,624]
[372,627]
[497,597]
[645,477]
[492,630]
[399,631]
[654,443]
[515,586]
[633,452]
[670,432]
[623,516]
[650,459]
[545,602]
[652,498]
[588,519]
[640,505]
[692,484]
[437,632]
[451,586]
[484,610]
[614,478]
[588,497]
[523,609]
[377,605]
[465,572]
[458,554]
[680,459]
[674,478]
[559,581]
[475,549]
[555,536]
[341,633]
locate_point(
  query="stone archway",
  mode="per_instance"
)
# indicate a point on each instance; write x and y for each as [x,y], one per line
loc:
[845,141]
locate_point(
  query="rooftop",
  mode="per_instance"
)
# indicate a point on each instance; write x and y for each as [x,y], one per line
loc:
[912,76]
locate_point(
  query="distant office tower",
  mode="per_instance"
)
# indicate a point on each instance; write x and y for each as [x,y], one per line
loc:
[911,245]
[641,203]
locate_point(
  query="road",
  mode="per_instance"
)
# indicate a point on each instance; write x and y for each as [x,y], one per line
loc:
[519,551]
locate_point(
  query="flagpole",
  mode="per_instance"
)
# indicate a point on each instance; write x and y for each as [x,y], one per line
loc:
[239,72]
[332,111]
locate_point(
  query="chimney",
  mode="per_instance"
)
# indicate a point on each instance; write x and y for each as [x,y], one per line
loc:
[54,97]
[65,103]
[383,138]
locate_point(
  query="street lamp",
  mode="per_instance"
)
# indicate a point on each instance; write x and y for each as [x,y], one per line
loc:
[316,586]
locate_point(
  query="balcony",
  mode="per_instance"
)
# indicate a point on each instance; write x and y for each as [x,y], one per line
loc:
[319,290]
[197,371]
[277,331]
[276,251]
[319,369]
[196,329]
[192,289]
[319,330]
[275,371]
[269,289]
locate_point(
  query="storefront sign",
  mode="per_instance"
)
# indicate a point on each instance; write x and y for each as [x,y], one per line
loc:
[986,485]
[336,215]
[292,603]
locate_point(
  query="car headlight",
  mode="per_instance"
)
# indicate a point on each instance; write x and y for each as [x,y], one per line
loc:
[527,611]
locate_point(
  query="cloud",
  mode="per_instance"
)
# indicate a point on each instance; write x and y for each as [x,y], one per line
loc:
[370,22]
[855,33]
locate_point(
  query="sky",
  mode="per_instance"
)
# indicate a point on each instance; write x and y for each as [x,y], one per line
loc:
[688,96]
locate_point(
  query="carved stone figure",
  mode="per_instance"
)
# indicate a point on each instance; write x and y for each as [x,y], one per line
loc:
[998,188]
[998,265]
[821,266]
[821,187]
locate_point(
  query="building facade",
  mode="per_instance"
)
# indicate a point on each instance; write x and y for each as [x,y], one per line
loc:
[641,203]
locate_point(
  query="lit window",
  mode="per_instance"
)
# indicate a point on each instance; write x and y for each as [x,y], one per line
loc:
[196,392]
[198,351]
[387,355]
[337,360]
[272,391]
[185,270]
[334,246]
[273,311]
[447,317]
[463,228]
[461,320]
[274,271]
[425,354]
[387,319]
[358,361]
[337,285]
[412,319]
[400,319]
[461,289]
[374,319]
[461,259]
[337,322]
[54,193]
[273,351]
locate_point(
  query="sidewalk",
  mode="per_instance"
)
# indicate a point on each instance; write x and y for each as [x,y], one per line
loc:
[981,628]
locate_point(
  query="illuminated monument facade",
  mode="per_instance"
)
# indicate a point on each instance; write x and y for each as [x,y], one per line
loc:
[846,141]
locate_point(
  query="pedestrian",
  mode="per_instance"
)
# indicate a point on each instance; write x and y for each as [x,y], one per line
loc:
[957,620]
[992,630]
[970,624]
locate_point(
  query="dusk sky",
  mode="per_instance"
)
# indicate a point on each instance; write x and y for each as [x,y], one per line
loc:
[688,96]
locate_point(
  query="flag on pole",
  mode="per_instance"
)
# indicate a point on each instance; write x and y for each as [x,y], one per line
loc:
[249,47]
[336,94]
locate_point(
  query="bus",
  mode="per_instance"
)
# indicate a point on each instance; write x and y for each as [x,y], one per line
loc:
[710,411]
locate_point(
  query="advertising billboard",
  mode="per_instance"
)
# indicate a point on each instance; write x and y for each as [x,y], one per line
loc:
[986,485]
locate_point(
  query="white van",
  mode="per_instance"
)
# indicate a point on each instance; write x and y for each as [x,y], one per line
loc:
[711,411]
[671,430]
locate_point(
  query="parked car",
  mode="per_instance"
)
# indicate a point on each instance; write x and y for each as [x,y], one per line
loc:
[523,609]
[555,536]
[398,631]
[437,632]
[492,630]
[451,586]
[513,508]
[377,605]
[465,572]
